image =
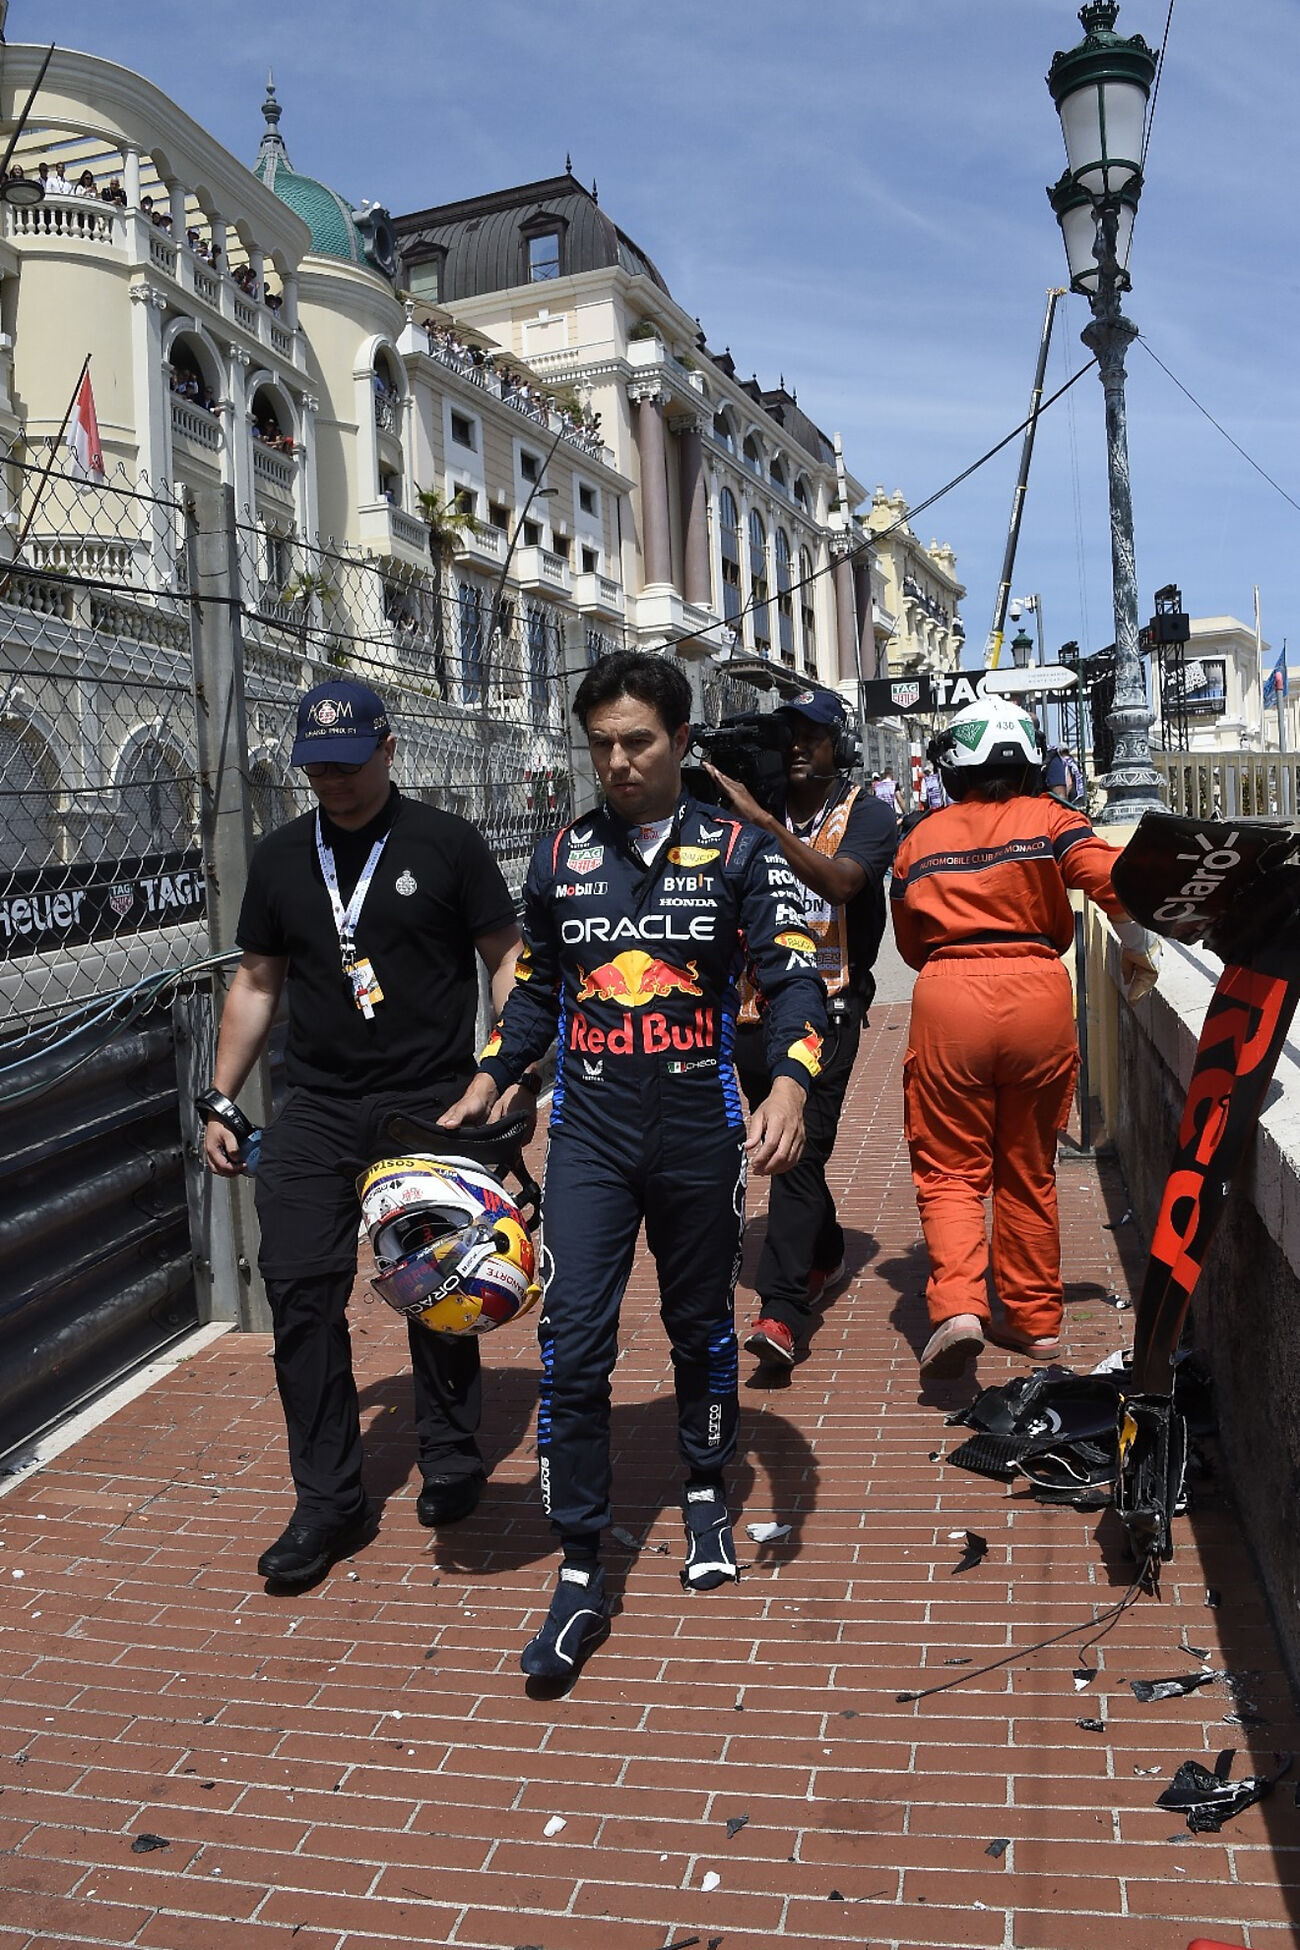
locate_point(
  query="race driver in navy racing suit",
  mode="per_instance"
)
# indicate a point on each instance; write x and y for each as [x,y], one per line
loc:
[639,919]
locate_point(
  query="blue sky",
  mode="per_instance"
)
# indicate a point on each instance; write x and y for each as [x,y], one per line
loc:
[851,192]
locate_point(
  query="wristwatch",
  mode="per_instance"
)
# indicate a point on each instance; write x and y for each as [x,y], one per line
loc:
[532,1080]
[211,1103]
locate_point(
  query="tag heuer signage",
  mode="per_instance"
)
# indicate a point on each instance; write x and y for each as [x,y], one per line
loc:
[67,906]
[951,689]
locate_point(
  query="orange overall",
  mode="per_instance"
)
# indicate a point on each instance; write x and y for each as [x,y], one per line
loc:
[979,906]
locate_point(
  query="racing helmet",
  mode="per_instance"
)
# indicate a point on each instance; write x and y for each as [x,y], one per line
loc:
[991,738]
[450,1244]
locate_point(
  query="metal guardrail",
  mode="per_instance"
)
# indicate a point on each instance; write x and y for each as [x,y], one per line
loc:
[96,1270]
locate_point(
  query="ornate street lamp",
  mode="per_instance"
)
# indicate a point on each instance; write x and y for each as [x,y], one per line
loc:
[1101,89]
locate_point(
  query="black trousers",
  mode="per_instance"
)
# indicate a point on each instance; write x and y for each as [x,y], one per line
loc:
[691,1194]
[308,1210]
[803,1231]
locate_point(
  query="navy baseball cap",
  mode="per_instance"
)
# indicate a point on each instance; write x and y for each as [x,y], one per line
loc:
[339,723]
[823,707]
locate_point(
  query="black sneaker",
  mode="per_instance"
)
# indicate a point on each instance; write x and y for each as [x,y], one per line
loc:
[710,1546]
[446,1499]
[304,1551]
[576,1623]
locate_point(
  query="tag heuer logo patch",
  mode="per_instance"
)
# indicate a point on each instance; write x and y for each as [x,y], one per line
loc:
[904,695]
[586,860]
[406,882]
[122,898]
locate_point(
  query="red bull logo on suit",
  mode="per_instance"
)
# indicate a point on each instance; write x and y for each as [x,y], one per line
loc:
[633,980]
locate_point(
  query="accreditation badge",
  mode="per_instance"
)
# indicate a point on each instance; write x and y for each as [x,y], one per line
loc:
[366,992]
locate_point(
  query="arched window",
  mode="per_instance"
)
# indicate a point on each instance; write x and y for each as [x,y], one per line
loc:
[722,432]
[271,423]
[801,493]
[807,612]
[729,536]
[28,830]
[753,454]
[784,598]
[189,377]
[758,585]
[778,476]
[471,643]
[271,802]
[156,804]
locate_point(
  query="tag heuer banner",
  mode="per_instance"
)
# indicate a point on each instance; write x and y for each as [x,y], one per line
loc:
[66,906]
[899,697]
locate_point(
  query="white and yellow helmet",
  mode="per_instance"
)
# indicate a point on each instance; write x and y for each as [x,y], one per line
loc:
[450,1245]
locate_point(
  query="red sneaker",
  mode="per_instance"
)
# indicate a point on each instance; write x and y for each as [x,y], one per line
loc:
[822,1281]
[773,1343]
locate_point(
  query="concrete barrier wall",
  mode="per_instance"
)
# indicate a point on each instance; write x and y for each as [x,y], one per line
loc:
[1246,1309]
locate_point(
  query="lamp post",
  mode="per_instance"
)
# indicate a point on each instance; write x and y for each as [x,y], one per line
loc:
[1101,89]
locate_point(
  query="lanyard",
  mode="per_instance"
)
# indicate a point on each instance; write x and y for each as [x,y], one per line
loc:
[345,919]
[812,827]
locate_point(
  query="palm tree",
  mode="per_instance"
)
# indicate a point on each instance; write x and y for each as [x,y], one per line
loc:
[449,523]
[309,594]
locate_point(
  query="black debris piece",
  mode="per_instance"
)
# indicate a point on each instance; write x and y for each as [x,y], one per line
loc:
[977,1549]
[1193,1651]
[956,1662]
[207,1786]
[1083,1676]
[685,1943]
[432,1653]
[835,1897]
[1147,1690]
[1209,1799]
[146,1844]
[1119,1301]
[936,1455]
[735,1823]
[998,1848]
[715,1943]
[1213,1599]
[849,1713]
[625,1538]
[1091,1726]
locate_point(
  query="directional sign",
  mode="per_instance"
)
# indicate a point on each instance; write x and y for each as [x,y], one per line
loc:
[1036,677]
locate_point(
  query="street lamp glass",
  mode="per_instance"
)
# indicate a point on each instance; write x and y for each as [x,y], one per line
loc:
[1077,215]
[1103,123]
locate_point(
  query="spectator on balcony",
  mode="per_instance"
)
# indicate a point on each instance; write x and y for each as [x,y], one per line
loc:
[56,183]
[274,301]
[113,192]
[85,185]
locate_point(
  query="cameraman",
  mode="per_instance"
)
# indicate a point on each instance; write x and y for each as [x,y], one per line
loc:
[838,841]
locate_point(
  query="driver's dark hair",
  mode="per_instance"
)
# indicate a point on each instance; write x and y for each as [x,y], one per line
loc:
[658,681]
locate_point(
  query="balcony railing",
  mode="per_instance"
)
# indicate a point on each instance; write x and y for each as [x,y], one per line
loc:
[513,395]
[273,469]
[195,424]
[541,568]
[72,219]
[388,413]
[599,593]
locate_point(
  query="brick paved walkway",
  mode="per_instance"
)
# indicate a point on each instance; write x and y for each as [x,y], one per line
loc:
[361,1766]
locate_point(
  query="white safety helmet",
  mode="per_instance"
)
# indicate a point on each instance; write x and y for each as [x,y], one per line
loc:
[990,736]
[450,1244]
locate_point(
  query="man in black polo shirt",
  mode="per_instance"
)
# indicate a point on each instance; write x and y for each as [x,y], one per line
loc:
[372,908]
[838,841]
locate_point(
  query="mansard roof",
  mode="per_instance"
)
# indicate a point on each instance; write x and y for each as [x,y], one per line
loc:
[481,242]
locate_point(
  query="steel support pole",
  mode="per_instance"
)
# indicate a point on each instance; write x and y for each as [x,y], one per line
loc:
[1132,785]
[225,1240]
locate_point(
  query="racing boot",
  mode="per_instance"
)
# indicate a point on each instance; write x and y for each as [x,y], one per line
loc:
[575,1624]
[710,1546]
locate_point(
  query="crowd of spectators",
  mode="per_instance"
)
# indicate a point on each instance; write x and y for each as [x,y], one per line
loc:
[55,183]
[186,383]
[266,432]
[512,385]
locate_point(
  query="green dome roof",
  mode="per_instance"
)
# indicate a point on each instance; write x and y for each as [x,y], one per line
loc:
[334,231]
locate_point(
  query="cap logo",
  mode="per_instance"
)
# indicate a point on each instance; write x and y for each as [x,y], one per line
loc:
[805,697]
[328,712]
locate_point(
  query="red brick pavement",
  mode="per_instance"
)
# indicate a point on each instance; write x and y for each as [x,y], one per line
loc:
[361,1766]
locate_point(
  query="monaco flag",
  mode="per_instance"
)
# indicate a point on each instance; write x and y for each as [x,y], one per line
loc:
[87,462]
